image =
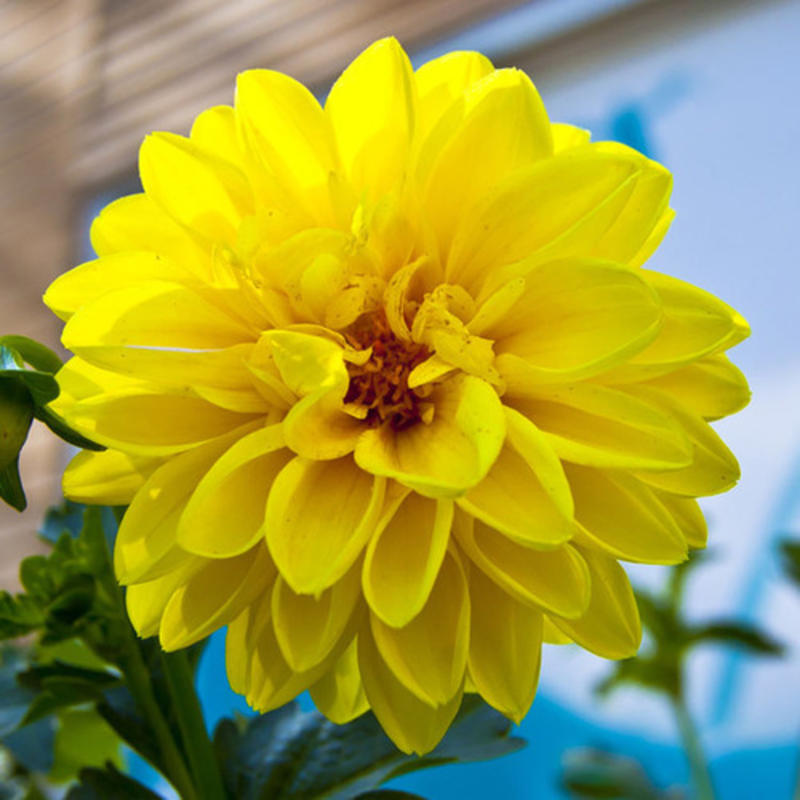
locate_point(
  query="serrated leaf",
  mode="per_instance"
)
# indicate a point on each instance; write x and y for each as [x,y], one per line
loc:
[289,754]
[19,615]
[102,784]
[736,634]
[791,559]
[83,739]
[35,353]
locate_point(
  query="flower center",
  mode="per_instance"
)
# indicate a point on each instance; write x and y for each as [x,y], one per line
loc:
[381,384]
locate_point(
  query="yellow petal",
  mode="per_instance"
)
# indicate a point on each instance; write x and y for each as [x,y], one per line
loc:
[566,136]
[225,514]
[237,654]
[553,635]
[87,282]
[339,694]
[414,726]
[654,239]
[526,494]
[573,197]
[145,602]
[556,580]
[109,478]
[136,222]
[307,363]
[713,468]
[214,130]
[404,556]
[711,388]
[272,682]
[148,530]
[596,426]
[505,645]
[308,628]
[610,627]
[429,655]
[576,319]
[134,317]
[624,517]
[320,514]
[443,80]
[286,128]
[452,453]
[318,428]
[199,190]
[695,325]
[502,128]
[152,424]
[215,595]
[688,516]
[374,136]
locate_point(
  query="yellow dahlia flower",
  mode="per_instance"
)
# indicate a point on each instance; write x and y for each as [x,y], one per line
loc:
[388,390]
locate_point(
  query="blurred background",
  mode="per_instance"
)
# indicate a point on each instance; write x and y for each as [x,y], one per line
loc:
[708,88]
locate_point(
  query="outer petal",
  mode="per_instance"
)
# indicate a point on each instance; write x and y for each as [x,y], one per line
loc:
[214,130]
[596,426]
[573,197]
[414,726]
[501,128]
[505,647]
[372,109]
[452,453]
[713,468]
[622,516]
[688,516]
[109,478]
[339,694]
[199,190]
[565,137]
[151,424]
[526,494]
[318,428]
[576,319]
[137,223]
[286,128]
[320,514]
[404,556]
[87,282]
[610,627]
[555,580]
[696,324]
[225,514]
[307,363]
[429,655]
[308,628]
[711,388]
[214,596]
[443,80]
[146,539]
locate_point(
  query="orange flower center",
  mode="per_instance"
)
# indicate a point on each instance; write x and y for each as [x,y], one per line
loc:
[381,384]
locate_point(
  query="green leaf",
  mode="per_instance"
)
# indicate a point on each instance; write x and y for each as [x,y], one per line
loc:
[60,428]
[293,754]
[590,773]
[11,490]
[102,784]
[16,413]
[83,739]
[19,615]
[791,559]
[42,386]
[736,634]
[35,353]
[652,672]
[388,794]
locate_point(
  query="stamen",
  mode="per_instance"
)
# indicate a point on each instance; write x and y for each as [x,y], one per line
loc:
[381,384]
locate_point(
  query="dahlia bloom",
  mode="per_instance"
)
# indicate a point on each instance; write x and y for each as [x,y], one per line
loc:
[388,390]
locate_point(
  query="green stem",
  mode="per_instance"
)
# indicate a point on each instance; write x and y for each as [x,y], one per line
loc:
[698,765]
[137,678]
[138,681]
[199,749]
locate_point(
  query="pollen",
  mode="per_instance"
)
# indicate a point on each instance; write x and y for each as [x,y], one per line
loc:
[381,384]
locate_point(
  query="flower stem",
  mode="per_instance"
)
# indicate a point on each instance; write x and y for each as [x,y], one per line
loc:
[698,765]
[202,759]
